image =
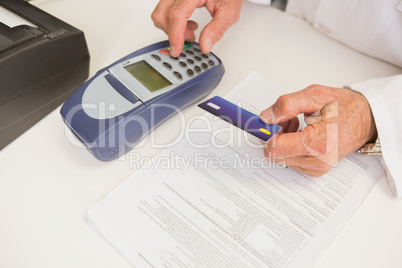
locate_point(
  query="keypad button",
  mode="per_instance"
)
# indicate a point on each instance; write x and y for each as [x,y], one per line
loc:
[189,52]
[167,65]
[183,64]
[178,75]
[197,58]
[173,58]
[204,66]
[205,56]
[211,63]
[164,51]
[197,69]
[183,55]
[156,57]
[197,49]
[190,61]
[190,72]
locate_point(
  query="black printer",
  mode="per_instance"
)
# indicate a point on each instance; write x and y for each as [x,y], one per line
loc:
[42,61]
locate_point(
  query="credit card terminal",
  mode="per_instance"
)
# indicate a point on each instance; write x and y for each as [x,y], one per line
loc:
[117,107]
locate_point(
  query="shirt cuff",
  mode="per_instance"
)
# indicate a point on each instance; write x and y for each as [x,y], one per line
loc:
[384,95]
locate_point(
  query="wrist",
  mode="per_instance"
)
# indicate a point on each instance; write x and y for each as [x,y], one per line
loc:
[370,134]
[372,145]
[373,135]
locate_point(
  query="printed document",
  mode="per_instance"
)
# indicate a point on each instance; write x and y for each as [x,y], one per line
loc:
[212,200]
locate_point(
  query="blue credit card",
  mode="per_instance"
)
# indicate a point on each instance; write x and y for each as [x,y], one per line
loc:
[240,117]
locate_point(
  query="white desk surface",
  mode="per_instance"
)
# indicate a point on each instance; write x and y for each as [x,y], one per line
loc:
[47,184]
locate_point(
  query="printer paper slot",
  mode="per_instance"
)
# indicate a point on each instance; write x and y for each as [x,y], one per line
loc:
[12,20]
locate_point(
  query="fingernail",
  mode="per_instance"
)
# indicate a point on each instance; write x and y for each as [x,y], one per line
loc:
[264,120]
[268,116]
[268,119]
[208,44]
[172,51]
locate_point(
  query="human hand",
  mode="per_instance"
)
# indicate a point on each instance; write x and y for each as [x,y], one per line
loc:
[339,121]
[172,16]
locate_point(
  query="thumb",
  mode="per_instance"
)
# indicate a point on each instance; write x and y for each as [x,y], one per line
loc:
[307,101]
[216,28]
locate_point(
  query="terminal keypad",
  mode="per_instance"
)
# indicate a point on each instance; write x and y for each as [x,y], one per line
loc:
[189,63]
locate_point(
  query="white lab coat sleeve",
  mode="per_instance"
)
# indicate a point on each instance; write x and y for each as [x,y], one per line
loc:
[384,96]
[261,2]
[371,27]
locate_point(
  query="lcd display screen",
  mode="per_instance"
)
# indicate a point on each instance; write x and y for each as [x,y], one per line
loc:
[147,76]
